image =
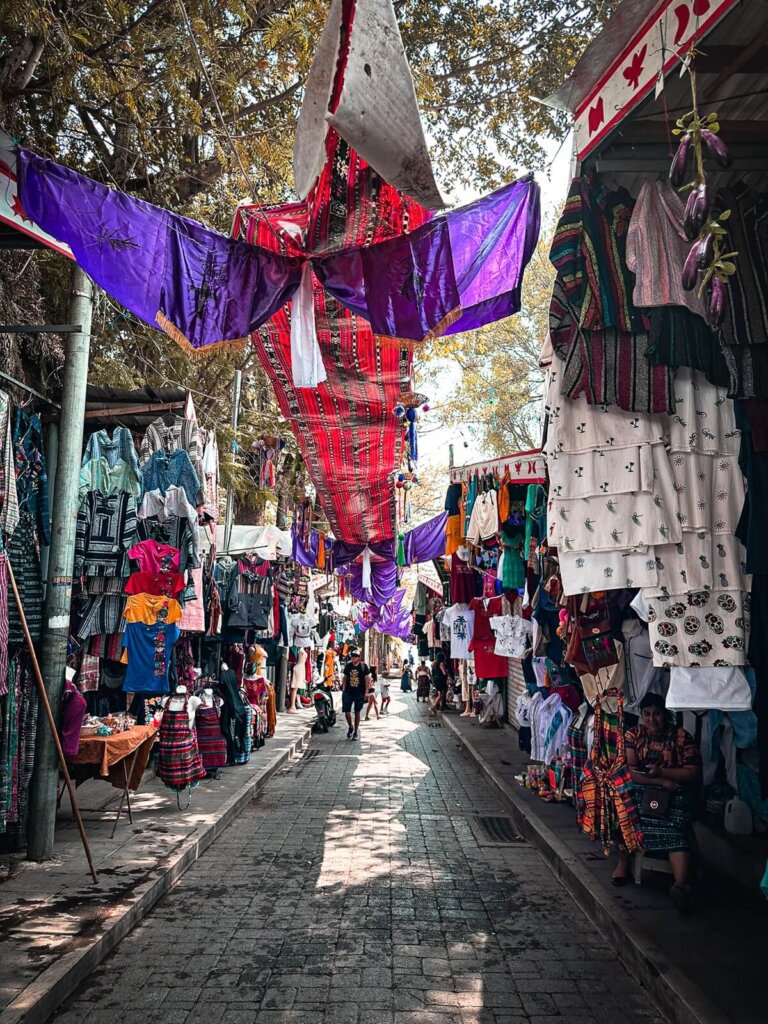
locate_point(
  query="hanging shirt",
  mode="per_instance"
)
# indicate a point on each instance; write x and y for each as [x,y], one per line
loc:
[164,471]
[180,433]
[462,580]
[31,473]
[151,608]
[106,528]
[99,475]
[9,502]
[165,584]
[148,649]
[484,521]
[152,556]
[120,446]
[461,623]
[513,635]
[173,503]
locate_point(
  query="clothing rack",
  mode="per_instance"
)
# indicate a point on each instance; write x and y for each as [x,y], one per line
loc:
[528,467]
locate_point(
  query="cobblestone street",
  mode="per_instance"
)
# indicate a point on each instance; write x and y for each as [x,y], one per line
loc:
[360,888]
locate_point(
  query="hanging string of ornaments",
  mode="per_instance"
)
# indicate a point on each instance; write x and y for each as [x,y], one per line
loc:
[409,408]
[706,265]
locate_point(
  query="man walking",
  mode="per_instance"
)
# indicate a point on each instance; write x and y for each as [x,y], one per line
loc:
[357,677]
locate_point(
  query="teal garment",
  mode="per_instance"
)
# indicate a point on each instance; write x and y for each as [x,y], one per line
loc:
[31,471]
[535,515]
[98,475]
[471,496]
[513,566]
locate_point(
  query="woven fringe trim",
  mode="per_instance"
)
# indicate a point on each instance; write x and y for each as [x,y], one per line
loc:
[183,341]
[445,323]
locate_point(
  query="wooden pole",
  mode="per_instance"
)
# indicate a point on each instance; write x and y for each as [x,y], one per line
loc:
[51,722]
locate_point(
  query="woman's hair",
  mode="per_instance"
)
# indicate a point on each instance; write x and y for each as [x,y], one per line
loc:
[653,700]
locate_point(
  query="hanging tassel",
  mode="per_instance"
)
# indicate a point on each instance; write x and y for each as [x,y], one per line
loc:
[401,549]
[413,446]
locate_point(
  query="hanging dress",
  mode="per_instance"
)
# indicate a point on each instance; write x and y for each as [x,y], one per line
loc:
[211,741]
[179,763]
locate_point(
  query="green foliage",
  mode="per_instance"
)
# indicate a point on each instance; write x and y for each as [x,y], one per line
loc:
[498,389]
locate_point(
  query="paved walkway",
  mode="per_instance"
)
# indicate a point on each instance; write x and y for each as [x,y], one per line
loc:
[358,887]
[56,925]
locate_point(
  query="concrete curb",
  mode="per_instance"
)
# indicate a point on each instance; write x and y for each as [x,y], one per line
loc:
[49,990]
[678,998]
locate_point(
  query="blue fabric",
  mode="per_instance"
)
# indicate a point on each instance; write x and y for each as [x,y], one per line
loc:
[150,649]
[31,472]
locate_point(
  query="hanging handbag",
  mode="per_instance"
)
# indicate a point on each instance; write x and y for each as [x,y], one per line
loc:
[590,644]
[656,801]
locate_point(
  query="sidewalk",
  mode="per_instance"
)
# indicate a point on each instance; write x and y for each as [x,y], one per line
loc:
[56,925]
[707,968]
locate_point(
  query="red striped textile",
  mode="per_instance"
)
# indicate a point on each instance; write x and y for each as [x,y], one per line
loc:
[350,440]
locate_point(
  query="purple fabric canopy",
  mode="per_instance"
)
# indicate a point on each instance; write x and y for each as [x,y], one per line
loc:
[199,286]
[425,542]
[459,270]
[393,619]
[383,581]
[462,269]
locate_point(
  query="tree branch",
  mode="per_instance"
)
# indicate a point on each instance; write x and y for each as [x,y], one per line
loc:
[256,107]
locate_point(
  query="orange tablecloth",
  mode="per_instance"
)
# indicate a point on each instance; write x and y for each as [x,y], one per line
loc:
[106,753]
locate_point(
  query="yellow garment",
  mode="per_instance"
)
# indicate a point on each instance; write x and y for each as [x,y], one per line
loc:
[329,664]
[502,498]
[147,608]
[452,534]
[320,550]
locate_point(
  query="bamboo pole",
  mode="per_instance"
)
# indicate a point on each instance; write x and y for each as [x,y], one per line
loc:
[51,722]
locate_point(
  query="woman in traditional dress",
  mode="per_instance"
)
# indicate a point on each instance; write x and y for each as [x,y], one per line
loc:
[665,764]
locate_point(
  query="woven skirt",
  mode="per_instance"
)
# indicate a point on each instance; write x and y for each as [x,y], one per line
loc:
[210,739]
[672,834]
[245,754]
[178,762]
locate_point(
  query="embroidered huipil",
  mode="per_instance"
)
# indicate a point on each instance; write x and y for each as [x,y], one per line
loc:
[163,471]
[31,474]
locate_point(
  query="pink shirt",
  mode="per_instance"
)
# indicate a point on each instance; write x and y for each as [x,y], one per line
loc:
[657,249]
[155,557]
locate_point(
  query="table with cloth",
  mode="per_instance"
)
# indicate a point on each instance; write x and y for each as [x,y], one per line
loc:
[120,759]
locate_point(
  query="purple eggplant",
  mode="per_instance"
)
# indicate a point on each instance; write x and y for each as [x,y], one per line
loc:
[716,147]
[696,211]
[717,300]
[680,162]
[705,251]
[691,269]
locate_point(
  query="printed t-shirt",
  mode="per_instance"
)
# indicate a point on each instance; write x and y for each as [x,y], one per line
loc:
[165,584]
[155,557]
[149,608]
[461,622]
[354,678]
[148,649]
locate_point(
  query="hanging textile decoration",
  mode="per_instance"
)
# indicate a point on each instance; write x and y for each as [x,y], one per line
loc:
[379,265]
[401,562]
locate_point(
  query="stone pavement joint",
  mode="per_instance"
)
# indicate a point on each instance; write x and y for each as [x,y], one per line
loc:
[354,891]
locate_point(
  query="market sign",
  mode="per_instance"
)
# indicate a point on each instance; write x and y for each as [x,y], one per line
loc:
[12,211]
[661,42]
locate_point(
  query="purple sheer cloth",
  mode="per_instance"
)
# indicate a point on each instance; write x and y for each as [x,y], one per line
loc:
[344,552]
[462,269]
[200,286]
[425,542]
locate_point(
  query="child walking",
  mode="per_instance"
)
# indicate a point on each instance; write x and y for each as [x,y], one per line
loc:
[372,694]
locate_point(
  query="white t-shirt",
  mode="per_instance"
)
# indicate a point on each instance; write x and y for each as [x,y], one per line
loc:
[513,635]
[461,622]
[484,521]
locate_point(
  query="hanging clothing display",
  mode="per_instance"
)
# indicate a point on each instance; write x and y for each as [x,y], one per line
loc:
[178,763]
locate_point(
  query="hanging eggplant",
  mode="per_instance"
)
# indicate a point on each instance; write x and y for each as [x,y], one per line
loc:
[680,161]
[696,211]
[691,269]
[716,147]
[717,300]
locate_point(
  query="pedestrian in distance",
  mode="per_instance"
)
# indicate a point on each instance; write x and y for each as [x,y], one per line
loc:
[440,680]
[405,679]
[354,689]
[423,681]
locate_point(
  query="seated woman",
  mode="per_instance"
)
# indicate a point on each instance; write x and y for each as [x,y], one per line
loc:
[660,754]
